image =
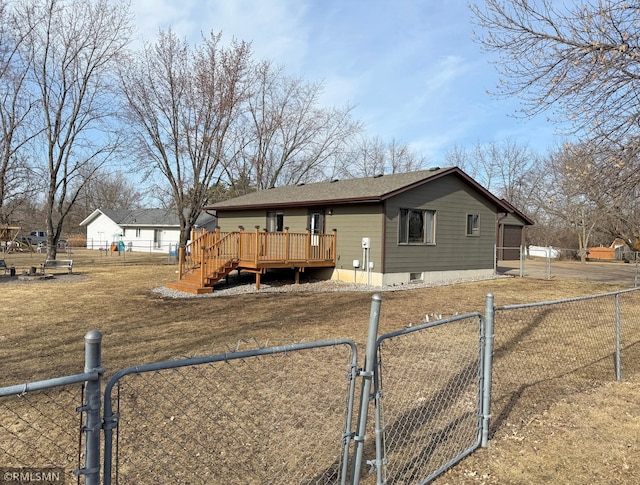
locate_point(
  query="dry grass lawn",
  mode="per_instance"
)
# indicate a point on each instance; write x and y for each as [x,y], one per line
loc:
[590,437]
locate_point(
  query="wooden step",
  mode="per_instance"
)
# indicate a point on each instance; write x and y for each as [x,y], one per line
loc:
[195,279]
[195,284]
[190,287]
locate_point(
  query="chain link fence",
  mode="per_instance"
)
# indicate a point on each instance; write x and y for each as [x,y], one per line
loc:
[546,351]
[248,417]
[286,414]
[50,430]
[429,397]
[23,262]
[551,263]
[42,429]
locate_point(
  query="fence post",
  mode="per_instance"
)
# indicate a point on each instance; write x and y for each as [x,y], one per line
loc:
[92,406]
[486,368]
[495,259]
[365,396]
[617,363]
[522,249]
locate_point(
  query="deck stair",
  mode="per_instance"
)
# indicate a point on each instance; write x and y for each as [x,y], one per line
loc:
[197,284]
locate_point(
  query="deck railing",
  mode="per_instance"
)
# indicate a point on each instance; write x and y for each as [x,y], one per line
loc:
[255,250]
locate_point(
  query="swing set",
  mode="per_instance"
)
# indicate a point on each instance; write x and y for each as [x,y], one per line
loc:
[13,240]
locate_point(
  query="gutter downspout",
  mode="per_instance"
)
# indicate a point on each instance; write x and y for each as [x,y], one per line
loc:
[501,216]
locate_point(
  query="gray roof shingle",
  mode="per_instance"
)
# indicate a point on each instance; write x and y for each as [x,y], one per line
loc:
[362,190]
[370,189]
[149,217]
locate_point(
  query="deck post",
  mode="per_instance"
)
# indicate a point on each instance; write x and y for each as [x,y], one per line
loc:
[334,246]
[265,243]
[307,245]
[202,265]
[180,261]
[287,241]
[257,280]
[257,247]
[216,239]
[240,248]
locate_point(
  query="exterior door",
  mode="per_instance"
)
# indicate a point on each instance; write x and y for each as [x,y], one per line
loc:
[315,225]
[157,238]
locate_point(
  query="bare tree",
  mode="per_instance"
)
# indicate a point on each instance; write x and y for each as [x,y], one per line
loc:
[182,103]
[286,136]
[614,187]
[16,114]
[103,189]
[581,59]
[402,159]
[570,197]
[505,168]
[369,156]
[458,156]
[365,157]
[71,48]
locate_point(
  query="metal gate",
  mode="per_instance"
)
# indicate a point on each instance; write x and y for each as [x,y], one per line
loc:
[278,414]
[428,398]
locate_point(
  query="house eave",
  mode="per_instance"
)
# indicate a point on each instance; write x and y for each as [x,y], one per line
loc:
[308,203]
[143,226]
[91,217]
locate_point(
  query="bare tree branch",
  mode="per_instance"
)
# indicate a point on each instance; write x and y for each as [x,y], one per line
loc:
[183,103]
[286,136]
[72,48]
[579,59]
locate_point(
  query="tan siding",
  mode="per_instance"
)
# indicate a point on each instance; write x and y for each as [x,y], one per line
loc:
[353,222]
[295,219]
[454,250]
[229,221]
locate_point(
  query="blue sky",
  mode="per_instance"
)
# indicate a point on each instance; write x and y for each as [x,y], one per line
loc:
[410,67]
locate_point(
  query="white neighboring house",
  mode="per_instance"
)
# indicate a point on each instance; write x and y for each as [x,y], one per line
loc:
[543,252]
[149,230]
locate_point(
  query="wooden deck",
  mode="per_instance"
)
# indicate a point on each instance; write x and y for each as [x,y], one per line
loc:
[211,256]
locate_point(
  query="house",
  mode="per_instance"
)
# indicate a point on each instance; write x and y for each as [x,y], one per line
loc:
[431,225]
[149,230]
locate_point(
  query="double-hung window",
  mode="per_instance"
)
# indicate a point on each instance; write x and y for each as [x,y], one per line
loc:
[417,226]
[473,225]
